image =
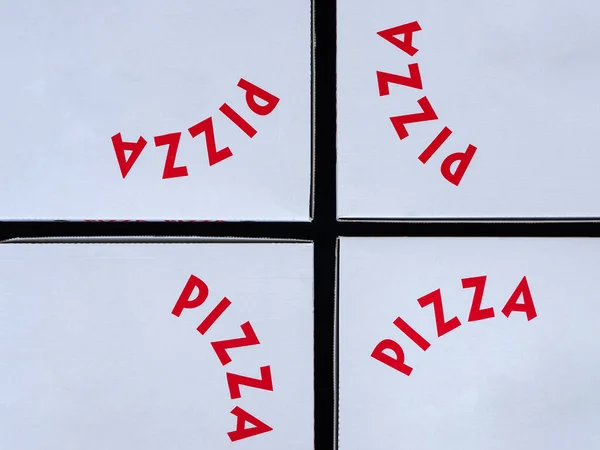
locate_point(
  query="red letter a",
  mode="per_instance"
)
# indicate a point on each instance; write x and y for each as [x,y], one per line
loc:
[407,30]
[241,432]
[527,306]
[136,149]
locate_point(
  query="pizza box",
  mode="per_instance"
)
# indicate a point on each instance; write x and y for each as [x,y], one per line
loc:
[156,110]
[468,111]
[468,343]
[156,343]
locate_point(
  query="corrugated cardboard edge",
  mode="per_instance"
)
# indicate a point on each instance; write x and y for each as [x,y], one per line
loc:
[311,200]
[150,240]
[336,342]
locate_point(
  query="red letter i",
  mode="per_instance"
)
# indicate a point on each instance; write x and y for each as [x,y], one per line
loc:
[232,115]
[213,315]
[412,334]
[435,145]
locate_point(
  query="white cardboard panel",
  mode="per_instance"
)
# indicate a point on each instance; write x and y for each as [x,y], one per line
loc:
[517,80]
[79,72]
[498,383]
[91,355]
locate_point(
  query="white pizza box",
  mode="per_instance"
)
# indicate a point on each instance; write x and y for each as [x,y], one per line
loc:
[154,110]
[156,344]
[518,361]
[468,110]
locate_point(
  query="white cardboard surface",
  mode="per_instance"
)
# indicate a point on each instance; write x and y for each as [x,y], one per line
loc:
[83,71]
[515,79]
[495,384]
[92,357]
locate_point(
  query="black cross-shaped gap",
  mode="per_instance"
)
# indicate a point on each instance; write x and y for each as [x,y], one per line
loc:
[323,230]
